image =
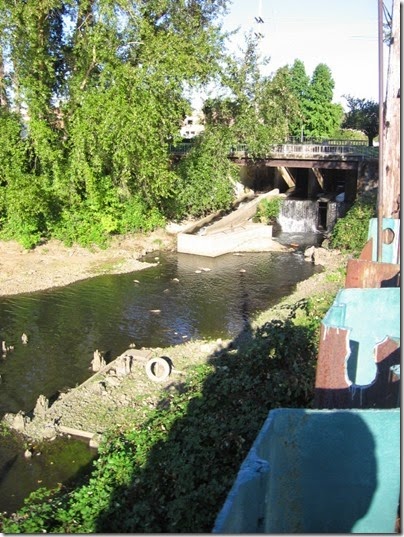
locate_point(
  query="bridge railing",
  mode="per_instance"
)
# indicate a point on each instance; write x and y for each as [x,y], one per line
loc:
[329,147]
[324,141]
[180,149]
[325,149]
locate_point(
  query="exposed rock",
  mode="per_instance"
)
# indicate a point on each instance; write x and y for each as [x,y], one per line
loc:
[123,365]
[309,253]
[111,382]
[98,361]
[18,421]
[320,255]
[42,405]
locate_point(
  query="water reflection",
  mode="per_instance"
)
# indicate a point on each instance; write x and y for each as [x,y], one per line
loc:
[180,298]
[183,297]
[52,463]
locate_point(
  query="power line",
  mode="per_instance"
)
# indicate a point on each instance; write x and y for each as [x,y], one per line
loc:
[259,20]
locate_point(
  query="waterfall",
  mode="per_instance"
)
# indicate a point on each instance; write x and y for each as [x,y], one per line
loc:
[335,210]
[299,216]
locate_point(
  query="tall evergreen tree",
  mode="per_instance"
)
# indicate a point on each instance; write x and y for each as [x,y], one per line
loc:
[323,117]
[299,83]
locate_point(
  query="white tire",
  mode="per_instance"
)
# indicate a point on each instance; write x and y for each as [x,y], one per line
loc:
[158,369]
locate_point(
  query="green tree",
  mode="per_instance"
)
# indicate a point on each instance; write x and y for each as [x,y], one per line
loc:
[362,115]
[99,86]
[280,106]
[256,109]
[205,176]
[299,84]
[323,117]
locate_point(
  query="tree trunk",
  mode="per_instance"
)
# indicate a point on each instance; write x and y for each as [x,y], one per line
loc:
[391,136]
[3,94]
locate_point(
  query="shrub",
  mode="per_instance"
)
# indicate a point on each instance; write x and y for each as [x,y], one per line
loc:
[136,216]
[350,233]
[205,178]
[268,210]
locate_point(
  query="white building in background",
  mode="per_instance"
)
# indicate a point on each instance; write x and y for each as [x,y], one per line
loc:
[193,125]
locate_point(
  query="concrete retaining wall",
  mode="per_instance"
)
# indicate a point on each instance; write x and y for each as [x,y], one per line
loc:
[248,238]
[231,233]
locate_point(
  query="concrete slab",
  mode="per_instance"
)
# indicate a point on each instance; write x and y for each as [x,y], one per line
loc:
[247,238]
[232,233]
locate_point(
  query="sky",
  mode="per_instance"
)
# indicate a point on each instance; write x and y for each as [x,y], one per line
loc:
[343,34]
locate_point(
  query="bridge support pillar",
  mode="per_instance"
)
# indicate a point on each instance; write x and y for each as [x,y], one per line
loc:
[287,176]
[315,182]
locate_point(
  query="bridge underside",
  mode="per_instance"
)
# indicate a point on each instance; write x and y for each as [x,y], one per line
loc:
[305,179]
[301,163]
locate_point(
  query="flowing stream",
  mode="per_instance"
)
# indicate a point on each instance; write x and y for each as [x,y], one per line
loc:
[198,297]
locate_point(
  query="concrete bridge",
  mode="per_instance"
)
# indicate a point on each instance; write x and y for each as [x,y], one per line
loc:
[309,167]
[325,150]
[339,154]
[335,165]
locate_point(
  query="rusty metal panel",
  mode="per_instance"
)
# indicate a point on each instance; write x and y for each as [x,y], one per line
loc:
[366,253]
[359,350]
[332,356]
[363,273]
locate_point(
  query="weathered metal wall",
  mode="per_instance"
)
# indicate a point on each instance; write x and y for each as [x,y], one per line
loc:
[318,471]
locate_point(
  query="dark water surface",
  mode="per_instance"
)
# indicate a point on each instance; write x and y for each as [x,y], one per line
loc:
[198,297]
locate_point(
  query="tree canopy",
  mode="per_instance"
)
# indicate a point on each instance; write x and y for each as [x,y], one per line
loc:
[256,109]
[93,93]
[322,116]
[362,115]
[98,89]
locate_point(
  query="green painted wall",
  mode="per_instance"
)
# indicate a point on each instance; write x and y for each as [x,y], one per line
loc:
[318,471]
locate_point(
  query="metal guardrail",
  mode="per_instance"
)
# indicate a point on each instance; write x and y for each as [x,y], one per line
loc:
[180,149]
[329,147]
[325,149]
[325,141]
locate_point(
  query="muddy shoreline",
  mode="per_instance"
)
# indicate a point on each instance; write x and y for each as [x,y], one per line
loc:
[53,264]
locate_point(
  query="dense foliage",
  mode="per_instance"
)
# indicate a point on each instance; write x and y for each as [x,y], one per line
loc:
[268,210]
[362,115]
[322,116]
[351,232]
[92,95]
[254,109]
[206,177]
[172,473]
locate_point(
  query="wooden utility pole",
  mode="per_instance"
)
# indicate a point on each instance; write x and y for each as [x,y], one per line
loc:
[388,202]
[390,198]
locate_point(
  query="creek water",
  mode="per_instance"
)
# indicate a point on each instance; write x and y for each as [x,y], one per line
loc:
[198,297]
